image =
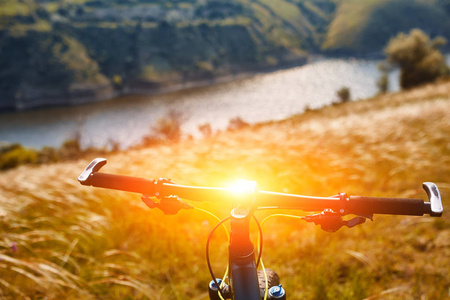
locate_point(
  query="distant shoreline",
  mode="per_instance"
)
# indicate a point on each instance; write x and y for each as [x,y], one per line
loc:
[151,89]
[253,96]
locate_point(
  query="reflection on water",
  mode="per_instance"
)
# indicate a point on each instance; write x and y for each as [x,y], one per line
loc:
[263,97]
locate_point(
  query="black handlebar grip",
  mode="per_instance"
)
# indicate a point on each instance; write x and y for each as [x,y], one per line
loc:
[392,206]
[123,183]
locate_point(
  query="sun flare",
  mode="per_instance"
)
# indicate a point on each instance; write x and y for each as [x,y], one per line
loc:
[243,187]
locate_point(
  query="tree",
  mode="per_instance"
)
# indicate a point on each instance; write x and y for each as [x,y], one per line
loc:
[383,81]
[417,56]
[343,94]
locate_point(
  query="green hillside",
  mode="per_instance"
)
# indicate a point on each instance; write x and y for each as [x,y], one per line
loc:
[75,51]
[366,26]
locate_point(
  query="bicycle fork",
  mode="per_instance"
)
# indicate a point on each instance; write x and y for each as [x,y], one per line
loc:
[243,271]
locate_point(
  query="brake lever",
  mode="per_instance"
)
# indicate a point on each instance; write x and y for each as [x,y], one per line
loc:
[169,205]
[331,222]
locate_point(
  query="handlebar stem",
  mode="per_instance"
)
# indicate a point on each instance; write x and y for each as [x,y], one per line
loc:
[243,272]
[240,244]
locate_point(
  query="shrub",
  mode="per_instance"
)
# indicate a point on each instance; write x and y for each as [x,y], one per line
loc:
[343,94]
[205,130]
[113,145]
[48,155]
[15,155]
[417,56]
[169,127]
[148,140]
[236,124]
[70,149]
[383,81]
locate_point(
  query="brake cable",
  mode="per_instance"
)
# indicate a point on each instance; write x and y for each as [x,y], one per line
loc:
[228,237]
[207,256]
[266,287]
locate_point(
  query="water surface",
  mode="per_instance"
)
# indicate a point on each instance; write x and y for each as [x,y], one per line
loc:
[263,97]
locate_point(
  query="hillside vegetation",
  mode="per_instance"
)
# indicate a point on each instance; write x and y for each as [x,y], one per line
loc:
[75,51]
[61,240]
[366,26]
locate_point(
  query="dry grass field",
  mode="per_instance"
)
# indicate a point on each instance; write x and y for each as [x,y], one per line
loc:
[61,240]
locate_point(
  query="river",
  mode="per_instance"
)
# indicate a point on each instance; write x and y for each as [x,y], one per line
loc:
[262,97]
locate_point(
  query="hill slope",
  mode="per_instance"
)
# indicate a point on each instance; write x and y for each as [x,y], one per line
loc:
[63,240]
[75,51]
[365,27]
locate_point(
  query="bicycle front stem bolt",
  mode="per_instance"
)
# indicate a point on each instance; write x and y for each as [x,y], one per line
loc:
[277,292]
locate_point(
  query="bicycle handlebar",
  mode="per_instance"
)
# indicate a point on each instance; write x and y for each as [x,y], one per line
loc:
[361,205]
[123,183]
[358,205]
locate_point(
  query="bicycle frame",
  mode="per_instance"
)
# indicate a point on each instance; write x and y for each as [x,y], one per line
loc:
[244,278]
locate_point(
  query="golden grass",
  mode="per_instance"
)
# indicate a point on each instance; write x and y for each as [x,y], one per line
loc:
[63,240]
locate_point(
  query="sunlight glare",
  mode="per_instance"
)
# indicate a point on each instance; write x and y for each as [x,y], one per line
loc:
[243,187]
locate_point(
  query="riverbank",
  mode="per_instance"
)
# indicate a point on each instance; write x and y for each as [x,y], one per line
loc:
[92,93]
[210,80]
[14,154]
